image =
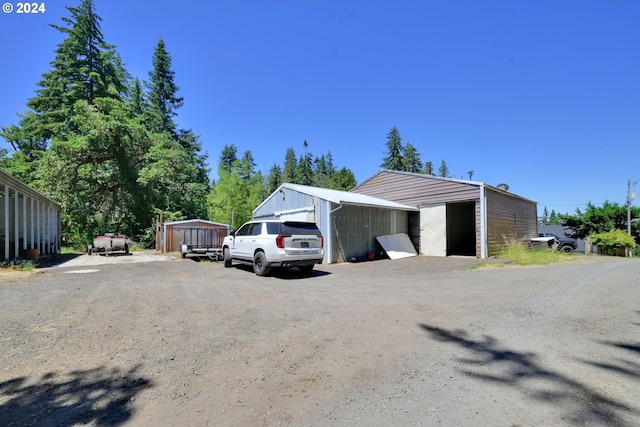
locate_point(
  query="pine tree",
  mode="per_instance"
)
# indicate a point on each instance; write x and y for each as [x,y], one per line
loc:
[85,68]
[443,170]
[544,220]
[163,94]
[137,101]
[274,178]
[290,166]
[428,168]
[344,179]
[411,160]
[227,157]
[394,158]
[304,171]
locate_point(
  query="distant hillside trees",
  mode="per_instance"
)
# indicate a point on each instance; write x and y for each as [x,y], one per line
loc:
[240,188]
[96,141]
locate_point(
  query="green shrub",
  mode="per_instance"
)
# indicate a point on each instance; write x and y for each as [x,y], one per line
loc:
[614,239]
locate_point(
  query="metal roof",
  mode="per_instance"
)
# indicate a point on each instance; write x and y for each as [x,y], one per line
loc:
[439,178]
[187,221]
[345,197]
[22,188]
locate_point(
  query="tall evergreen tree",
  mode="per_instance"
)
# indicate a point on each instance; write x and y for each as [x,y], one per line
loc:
[163,94]
[137,101]
[274,179]
[85,67]
[544,220]
[344,179]
[395,152]
[304,172]
[411,160]
[428,168]
[227,157]
[443,170]
[290,166]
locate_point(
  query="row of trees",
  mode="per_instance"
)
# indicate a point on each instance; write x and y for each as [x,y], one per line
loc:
[601,219]
[407,158]
[103,144]
[240,187]
[107,147]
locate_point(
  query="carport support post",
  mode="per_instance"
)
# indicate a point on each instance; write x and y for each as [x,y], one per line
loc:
[24,222]
[6,221]
[38,228]
[33,218]
[16,224]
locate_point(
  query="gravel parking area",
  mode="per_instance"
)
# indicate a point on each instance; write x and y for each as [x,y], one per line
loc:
[414,342]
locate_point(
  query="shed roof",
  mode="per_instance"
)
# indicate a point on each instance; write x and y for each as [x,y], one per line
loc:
[187,221]
[342,197]
[413,175]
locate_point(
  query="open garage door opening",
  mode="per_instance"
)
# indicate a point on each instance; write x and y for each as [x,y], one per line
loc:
[461,229]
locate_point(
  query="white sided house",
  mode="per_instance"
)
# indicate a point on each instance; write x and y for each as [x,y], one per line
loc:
[349,222]
[29,221]
[455,216]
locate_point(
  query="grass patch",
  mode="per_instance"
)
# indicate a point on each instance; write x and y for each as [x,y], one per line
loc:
[72,250]
[18,266]
[482,264]
[523,255]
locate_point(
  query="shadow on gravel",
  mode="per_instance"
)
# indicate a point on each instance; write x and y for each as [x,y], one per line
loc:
[286,273]
[621,366]
[524,373]
[55,260]
[98,396]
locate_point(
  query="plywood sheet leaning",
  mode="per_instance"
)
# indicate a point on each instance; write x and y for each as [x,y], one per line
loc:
[397,245]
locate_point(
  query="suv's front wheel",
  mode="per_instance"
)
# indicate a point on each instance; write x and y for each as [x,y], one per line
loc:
[260,265]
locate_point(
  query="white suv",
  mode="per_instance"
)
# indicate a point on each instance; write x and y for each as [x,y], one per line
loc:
[275,243]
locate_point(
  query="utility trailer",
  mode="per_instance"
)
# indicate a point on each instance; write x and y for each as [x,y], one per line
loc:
[108,243]
[202,242]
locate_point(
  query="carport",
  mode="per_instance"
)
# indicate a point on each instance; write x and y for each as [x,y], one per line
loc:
[348,221]
[29,221]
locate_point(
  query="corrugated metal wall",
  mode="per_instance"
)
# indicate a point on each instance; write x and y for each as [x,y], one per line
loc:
[353,229]
[509,219]
[175,233]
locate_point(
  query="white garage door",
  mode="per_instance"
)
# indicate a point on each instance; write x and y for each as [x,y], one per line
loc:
[433,230]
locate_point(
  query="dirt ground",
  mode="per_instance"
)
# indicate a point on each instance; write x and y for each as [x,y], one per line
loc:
[414,342]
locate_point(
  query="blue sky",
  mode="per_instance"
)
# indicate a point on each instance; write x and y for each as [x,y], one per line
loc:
[541,95]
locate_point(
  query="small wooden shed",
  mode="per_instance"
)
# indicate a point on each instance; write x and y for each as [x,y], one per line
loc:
[174,232]
[456,217]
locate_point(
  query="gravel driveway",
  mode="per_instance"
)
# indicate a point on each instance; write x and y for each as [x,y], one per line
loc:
[413,342]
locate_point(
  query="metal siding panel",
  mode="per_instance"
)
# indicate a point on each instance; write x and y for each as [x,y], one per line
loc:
[509,219]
